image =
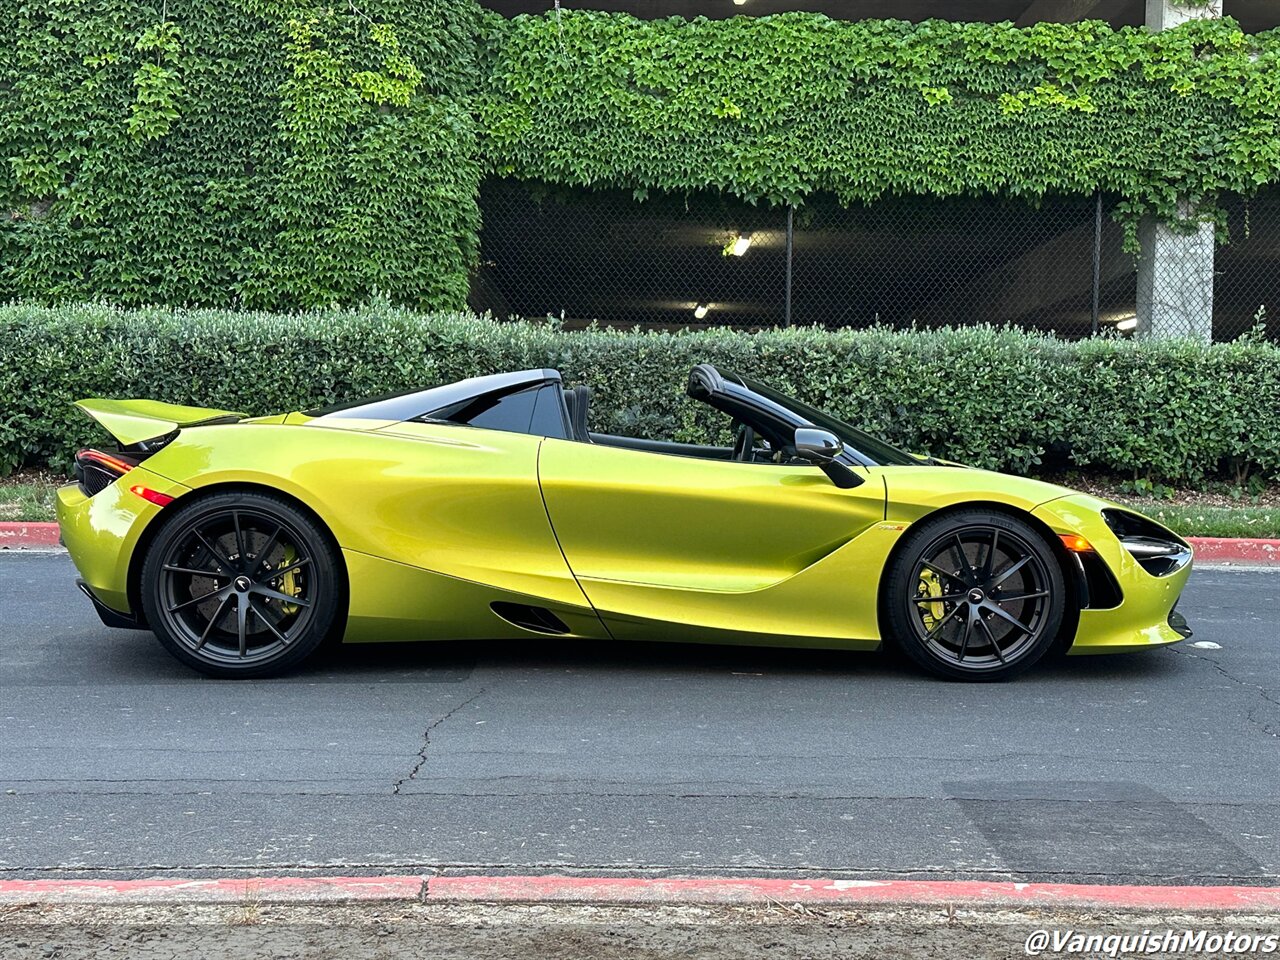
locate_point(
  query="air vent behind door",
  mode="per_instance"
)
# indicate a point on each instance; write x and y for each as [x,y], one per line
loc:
[537,619]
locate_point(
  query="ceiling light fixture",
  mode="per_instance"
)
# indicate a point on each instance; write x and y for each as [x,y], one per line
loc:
[741,245]
[700,310]
[1128,323]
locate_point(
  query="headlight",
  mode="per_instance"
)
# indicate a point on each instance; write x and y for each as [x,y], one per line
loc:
[1158,551]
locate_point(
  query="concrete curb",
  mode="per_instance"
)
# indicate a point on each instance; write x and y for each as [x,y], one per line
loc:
[25,536]
[222,890]
[1226,550]
[1209,550]
[845,892]
[634,890]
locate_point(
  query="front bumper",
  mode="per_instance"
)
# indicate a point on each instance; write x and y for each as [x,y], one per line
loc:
[101,533]
[1145,616]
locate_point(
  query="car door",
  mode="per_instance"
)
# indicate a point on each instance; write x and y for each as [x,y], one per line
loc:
[675,547]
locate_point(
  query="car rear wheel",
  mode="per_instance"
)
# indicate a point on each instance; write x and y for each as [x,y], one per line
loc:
[240,585]
[976,595]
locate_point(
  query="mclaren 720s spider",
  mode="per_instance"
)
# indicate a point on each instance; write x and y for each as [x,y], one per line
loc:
[488,509]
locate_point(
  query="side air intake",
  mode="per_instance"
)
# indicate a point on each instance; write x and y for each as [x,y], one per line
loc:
[537,619]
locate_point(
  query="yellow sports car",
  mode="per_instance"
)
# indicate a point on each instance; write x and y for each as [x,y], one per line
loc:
[487,508]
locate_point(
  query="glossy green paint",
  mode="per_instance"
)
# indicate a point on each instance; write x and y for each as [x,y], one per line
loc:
[672,547]
[101,532]
[436,522]
[132,421]
[1141,620]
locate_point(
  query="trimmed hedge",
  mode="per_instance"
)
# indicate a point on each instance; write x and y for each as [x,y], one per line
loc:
[1001,398]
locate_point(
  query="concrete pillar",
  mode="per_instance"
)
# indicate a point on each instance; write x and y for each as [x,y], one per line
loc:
[1175,268]
[1166,14]
[1175,280]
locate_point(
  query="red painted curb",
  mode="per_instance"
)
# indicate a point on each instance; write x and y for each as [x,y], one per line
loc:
[846,892]
[552,889]
[1228,550]
[28,535]
[1208,549]
[244,890]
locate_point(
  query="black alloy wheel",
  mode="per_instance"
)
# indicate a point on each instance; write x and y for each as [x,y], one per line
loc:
[240,585]
[975,596]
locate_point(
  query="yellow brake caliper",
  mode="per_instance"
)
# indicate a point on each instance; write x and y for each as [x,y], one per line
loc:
[930,586]
[289,582]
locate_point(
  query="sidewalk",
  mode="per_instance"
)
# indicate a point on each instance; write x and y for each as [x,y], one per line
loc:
[604,919]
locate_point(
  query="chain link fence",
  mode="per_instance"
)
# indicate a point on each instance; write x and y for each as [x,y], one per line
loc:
[676,261]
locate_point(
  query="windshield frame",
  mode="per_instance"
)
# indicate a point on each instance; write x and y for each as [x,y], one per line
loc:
[867,450]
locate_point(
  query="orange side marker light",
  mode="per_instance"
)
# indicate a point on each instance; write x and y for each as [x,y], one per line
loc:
[1076,543]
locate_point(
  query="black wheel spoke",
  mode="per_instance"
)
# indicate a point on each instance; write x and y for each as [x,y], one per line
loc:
[929,565]
[172,568]
[195,600]
[962,561]
[242,620]
[277,595]
[937,627]
[218,558]
[266,550]
[964,640]
[945,598]
[1008,572]
[273,574]
[208,627]
[235,520]
[257,612]
[1022,596]
[1008,618]
[991,555]
[995,647]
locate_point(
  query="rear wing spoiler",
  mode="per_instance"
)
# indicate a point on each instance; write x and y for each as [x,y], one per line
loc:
[135,421]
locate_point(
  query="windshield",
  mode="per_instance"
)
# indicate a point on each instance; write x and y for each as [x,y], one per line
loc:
[882,453]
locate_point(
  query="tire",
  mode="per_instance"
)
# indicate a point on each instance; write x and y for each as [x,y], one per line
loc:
[974,595]
[241,585]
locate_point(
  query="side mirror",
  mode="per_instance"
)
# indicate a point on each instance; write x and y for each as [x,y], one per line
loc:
[822,447]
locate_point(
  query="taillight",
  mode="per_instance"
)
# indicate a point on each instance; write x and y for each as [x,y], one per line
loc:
[97,470]
[151,496]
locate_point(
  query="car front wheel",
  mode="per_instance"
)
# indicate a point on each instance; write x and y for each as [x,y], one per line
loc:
[240,584]
[975,595]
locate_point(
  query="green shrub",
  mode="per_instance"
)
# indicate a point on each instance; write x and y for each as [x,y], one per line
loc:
[1166,411]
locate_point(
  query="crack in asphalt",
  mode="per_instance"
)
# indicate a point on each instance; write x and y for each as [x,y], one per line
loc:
[426,740]
[1257,688]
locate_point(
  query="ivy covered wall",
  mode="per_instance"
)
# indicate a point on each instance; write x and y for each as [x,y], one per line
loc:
[778,108]
[266,153]
[283,154]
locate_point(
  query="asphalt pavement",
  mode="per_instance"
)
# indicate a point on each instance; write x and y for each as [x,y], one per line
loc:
[643,759]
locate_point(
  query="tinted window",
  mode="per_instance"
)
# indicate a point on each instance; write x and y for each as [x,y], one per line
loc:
[548,414]
[535,411]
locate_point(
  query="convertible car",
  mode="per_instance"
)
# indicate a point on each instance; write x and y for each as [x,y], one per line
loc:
[488,509]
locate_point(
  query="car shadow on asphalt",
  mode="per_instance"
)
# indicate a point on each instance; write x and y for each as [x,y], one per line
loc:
[454,657]
[118,656]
